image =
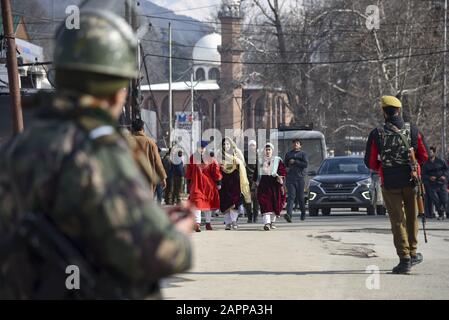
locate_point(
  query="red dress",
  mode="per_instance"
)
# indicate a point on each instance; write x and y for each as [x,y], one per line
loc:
[203,191]
[270,194]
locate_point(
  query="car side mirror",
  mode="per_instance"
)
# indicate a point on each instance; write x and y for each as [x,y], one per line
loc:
[311,173]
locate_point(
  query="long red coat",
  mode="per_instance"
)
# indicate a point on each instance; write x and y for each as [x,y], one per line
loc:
[270,194]
[203,180]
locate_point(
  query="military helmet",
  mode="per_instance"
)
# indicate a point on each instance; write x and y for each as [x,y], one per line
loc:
[105,44]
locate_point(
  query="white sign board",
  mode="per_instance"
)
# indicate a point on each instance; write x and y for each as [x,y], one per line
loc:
[29,52]
[187,130]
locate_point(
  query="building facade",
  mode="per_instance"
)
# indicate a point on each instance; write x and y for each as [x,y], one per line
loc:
[221,96]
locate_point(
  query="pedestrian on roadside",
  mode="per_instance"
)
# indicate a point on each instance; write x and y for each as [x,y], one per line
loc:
[251,159]
[435,173]
[296,163]
[203,177]
[270,180]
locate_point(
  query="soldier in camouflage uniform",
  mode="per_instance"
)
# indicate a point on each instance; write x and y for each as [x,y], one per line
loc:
[387,151]
[74,167]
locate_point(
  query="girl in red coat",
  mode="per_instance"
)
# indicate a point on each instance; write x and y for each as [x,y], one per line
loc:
[270,177]
[204,178]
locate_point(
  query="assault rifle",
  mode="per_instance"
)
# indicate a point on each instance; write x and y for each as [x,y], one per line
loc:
[416,177]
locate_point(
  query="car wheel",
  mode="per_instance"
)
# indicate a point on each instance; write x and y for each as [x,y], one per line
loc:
[381,210]
[313,212]
[326,211]
[370,211]
[354,209]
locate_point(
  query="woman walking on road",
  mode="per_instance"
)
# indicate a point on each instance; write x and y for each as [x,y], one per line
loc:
[270,178]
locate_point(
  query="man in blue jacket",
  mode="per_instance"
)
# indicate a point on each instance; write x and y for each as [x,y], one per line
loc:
[296,162]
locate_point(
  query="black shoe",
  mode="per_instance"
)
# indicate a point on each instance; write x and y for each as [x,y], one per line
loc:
[404,267]
[303,216]
[249,220]
[417,259]
[287,218]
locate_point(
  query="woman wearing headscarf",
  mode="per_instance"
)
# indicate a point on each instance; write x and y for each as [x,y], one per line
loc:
[204,179]
[234,183]
[270,177]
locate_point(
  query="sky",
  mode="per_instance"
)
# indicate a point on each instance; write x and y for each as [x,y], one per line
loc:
[198,9]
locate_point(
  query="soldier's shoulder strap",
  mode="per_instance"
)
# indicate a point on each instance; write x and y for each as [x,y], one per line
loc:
[98,131]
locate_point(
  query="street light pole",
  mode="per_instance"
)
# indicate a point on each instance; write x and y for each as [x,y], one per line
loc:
[444,108]
[170,92]
[192,107]
[13,70]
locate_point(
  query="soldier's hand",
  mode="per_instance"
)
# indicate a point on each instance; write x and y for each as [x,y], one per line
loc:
[432,178]
[442,178]
[164,184]
[186,224]
[292,161]
[183,217]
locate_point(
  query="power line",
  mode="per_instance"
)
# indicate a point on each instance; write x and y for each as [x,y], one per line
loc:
[309,63]
[361,32]
[284,25]
[183,10]
[354,50]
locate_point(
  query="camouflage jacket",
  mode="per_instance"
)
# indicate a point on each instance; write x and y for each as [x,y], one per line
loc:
[74,165]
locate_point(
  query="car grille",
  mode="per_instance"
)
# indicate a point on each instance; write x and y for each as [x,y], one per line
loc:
[338,187]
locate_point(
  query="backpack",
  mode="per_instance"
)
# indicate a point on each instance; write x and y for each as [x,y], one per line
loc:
[394,145]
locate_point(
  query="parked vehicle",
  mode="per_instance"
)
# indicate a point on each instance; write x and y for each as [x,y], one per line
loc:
[345,182]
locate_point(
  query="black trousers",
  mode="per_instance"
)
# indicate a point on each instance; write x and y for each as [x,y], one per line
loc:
[428,205]
[252,209]
[438,194]
[295,193]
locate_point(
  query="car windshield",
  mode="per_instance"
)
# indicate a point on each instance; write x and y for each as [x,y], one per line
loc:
[343,166]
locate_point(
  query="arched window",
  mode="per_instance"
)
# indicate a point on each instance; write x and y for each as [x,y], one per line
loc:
[260,112]
[279,110]
[249,111]
[200,75]
[204,113]
[214,74]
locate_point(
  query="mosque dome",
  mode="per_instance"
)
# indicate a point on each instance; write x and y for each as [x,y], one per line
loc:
[205,51]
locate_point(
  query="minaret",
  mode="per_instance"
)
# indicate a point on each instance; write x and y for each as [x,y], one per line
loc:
[231,95]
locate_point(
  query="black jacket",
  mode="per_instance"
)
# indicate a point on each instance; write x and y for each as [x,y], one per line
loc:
[437,168]
[296,170]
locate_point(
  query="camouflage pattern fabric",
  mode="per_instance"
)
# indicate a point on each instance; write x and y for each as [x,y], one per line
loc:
[74,165]
[394,151]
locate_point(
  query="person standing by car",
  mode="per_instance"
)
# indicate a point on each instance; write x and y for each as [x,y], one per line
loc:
[435,173]
[392,143]
[296,162]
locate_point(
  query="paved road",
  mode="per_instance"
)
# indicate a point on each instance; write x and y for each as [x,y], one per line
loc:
[320,258]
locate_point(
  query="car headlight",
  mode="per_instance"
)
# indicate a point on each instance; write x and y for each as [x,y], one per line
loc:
[314,183]
[312,196]
[366,183]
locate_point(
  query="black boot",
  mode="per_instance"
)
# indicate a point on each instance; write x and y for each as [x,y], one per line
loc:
[248,213]
[404,267]
[255,216]
[303,216]
[287,218]
[416,259]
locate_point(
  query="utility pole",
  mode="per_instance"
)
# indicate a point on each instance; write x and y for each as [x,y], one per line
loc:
[135,84]
[13,70]
[192,106]
[170,92]
[444,108]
